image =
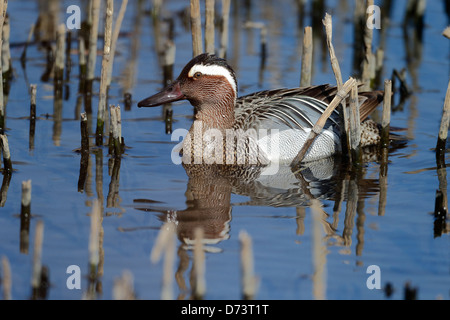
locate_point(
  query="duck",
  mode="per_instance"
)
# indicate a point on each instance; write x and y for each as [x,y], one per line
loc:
[261,127]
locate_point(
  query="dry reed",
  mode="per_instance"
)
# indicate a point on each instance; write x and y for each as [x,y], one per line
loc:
[94,238]
[328,23]
[106,65]
[3,8]
[199,287]
[386,120]
[7,162]
[93,36]
[196,28]
[307,58]
[249,280]
[6,279]
[37,256]
[123,287]
[355,126]
[115,37]
[165,242]
[224,28]
[316,130]
[116,143]
[319,253]
[209,26]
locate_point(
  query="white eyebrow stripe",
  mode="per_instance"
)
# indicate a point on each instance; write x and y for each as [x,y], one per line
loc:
[214,70]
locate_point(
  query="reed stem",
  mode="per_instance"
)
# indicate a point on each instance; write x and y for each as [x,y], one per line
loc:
[7,163]
[328,23]
[196,28]
[94,239]
[307,58]
[318,252]
[224,28]
[37,257]
[93,36]
[249,280]
[115,37]
[386,121]
[446,33]
[106,65]
[59,60]
[209,26]
[116,131]
[369,59]
[443,131]
[199,265]
[6,279]
[123,287]
[165,242]
[3,8]
[355,126]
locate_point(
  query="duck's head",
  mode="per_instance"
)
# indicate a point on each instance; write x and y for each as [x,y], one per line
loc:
[206,81]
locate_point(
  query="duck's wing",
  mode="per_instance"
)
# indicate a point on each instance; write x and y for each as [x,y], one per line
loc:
[282,108]
[298,108]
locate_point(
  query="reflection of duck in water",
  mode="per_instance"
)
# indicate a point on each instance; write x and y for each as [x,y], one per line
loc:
[273,125]
[210,188]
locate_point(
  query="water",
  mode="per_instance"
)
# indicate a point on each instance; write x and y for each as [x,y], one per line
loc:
[401,242]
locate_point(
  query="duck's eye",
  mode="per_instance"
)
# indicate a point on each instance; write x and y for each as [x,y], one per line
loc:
[197,75]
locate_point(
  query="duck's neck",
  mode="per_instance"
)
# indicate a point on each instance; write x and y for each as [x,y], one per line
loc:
[219,115]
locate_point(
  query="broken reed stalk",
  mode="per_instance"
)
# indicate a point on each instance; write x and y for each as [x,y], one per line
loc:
[123,287]
[249,280]
[355,126]
[196,28]
[37,257]
[93,36]
[224,28]
[115,37]
[3,8]
[199,265]
[209,26]
[316,130]
[386,121]
[369,58]
[6,52]
[446,33]
[328,23]
[6,279]
[94,239]
[7,163]
[33,89]
[319,253]
[443,131]
[59,60]
[307,56]
[106,65]
[116,142]
[165,242]
[385,128]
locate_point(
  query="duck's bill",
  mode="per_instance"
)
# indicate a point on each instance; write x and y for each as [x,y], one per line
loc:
[170,94]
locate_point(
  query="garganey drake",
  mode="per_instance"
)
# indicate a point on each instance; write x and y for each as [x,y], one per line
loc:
[274,123]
